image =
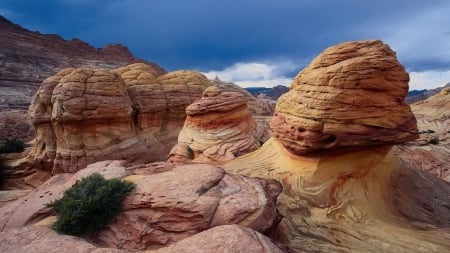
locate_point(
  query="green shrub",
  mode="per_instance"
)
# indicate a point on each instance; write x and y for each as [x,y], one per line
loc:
[90,205]
[434,141]
[11,146]
[190,153]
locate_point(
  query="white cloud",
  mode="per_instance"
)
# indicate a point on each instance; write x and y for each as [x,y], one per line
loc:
[255,74]
[428,79]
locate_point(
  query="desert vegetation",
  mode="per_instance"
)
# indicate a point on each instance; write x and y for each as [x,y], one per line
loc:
[90,205]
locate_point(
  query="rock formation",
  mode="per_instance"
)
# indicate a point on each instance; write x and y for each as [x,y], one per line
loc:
[431,151]
[351,94]
[228,238]
[218,127]
[86,115]
[344,190]
[273,93]
[168,205]
[27,58]
[257,106]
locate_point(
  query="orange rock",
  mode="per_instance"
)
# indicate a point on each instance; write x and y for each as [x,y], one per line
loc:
[351,94]
[84,115]
[218,127]
[431,151]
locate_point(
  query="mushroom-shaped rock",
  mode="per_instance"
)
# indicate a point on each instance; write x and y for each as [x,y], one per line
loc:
[356,199]
[351,94]
[218,127]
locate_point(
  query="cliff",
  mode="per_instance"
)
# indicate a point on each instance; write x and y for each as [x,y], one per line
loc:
[27,58]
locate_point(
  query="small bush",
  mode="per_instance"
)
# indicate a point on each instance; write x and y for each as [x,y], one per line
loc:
[90,205]
[433,141]
[11,146]
[190,153]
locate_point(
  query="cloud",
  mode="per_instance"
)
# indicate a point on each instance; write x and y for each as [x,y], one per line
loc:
[428,79]
[257,74]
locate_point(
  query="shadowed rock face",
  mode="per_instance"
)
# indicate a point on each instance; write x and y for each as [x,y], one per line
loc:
[351,94]
[85,115]
[218,127]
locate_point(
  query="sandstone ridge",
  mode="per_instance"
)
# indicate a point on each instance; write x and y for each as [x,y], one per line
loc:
[27,58]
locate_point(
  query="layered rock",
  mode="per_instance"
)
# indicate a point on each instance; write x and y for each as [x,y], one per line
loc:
[39,239]
[351,94]
[27,58]
[85,115]
[218,127]
[356,199]
[258,106]
[168,204]
[228,238]
[431,151]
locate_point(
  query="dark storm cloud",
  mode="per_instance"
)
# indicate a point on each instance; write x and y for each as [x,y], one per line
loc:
[212,35]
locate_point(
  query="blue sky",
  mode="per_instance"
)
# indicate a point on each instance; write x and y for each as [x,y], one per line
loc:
[251,42]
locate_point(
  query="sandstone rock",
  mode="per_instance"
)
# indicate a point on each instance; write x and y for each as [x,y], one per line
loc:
[351,94]
[257,105]
[169,206]
[38,239]
[228,238]
[84,115]
[32,207]
[16,124]
[218,127]
[356,199]
[27,58]
[431,151]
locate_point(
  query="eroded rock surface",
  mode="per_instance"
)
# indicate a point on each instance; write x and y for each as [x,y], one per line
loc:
[351,94]
[27,58]
[86,115]
[431,152]
[168,204]
[228,238]
[218,127]
[360,198]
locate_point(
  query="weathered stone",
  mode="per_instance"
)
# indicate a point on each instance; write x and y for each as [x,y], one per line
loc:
[218,127]
[431,151]
[84,115]
[228,238]
[172,205]
[32,207]
[352,94]
[361,198]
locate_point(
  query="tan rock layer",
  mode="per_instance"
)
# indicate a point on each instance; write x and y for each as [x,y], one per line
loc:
[351,94]
[85,115]
[218,127]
